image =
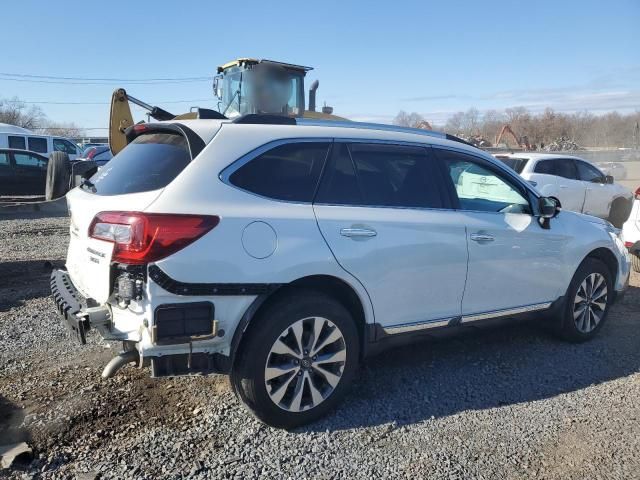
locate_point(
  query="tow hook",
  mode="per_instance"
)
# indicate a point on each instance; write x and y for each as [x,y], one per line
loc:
[116,363]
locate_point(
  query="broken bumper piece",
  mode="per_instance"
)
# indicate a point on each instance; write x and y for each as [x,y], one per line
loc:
[78,316]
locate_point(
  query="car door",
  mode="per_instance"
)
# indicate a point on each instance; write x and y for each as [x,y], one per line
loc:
[569,189]
[384,214]
[31,170]
[598,193]
[514,263]
[7,175]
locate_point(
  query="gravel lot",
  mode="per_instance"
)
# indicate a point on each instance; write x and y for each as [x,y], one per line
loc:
[508,403]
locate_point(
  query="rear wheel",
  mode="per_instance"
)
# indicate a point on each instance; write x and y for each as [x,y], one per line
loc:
[588,300]
[58,174]
[298,359]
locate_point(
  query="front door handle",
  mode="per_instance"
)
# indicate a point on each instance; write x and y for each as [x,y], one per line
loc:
[358,232]
[481,237]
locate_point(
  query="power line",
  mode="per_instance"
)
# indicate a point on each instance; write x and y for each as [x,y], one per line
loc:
[21,77]
[46,102]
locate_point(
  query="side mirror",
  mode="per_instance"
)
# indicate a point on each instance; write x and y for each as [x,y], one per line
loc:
[608,179]
[549,208]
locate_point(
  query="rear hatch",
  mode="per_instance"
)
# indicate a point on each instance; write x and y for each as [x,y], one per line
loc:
[130,182]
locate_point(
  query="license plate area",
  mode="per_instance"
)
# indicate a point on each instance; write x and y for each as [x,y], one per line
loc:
[89,265]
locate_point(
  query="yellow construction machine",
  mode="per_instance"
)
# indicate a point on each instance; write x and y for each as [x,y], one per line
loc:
[243,86]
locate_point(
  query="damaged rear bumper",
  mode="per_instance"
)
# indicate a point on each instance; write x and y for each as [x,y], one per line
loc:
[79,314]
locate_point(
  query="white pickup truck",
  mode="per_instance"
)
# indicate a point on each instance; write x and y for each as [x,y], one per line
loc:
[579,185]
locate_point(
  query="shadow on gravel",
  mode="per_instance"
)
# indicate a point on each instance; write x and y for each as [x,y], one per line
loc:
[487,369]
[11,417]
[23,280]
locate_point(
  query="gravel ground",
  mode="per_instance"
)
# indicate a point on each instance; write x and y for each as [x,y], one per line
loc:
[508,403]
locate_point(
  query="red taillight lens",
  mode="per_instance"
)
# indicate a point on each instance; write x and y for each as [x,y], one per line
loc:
[147,237]
[92,153]
[628,244]
[637,193]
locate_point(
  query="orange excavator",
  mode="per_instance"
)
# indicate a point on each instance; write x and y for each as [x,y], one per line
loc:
[522,142]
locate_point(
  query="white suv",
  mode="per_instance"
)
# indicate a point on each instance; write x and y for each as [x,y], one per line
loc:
[284,251]
[579,185]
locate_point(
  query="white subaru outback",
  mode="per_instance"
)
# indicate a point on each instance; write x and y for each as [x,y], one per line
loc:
[284,251]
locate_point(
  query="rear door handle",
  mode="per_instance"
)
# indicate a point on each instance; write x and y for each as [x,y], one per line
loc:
[358,232]
[481,237]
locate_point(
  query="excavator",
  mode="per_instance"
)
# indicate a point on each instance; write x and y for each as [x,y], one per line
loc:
[522,143]
[242,86]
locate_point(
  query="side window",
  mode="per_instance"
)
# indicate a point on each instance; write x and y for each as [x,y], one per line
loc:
[339,184]
[37,144]
[587,172]
[4,159]
[395,176]
[480,188]
[26,160]
[62,145]
[17,142]
[562,167]
[286,172]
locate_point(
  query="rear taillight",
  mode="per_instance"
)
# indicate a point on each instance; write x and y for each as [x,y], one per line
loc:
[147,237]
[92,153]
[637,193]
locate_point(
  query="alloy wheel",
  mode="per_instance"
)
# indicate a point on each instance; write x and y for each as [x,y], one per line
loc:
[305,364]
[590,302]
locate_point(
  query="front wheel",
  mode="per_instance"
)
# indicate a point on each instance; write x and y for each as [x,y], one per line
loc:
[588,300]
[298,359]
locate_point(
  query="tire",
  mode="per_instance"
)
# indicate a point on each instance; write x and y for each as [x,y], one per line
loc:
[584,327]
[306,391]
[619,212]
[58,174]
[635,263]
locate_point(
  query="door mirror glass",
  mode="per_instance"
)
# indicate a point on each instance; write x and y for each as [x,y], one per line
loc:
[549,207]
[608,179]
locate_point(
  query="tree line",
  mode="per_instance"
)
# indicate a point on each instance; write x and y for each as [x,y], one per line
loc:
[610,130]
[16,112]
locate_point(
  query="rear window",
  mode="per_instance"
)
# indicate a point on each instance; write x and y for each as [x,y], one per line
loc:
[37,144]
[150,162]
[516,164]
[287,172]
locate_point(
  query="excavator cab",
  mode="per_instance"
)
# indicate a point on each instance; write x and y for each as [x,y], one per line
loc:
[248,85]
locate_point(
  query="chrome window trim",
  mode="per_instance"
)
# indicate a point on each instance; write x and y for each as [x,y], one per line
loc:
[459,320]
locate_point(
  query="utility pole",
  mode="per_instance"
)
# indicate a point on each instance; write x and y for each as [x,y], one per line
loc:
[636,136]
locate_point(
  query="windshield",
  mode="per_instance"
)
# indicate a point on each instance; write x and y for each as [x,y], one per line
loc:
[151,161]
[262,89]
[516,164]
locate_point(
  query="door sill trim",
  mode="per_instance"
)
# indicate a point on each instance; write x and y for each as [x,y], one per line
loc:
[452,321]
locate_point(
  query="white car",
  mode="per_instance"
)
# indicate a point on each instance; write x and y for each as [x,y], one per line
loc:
[579,185]
[631,232]
[284,251]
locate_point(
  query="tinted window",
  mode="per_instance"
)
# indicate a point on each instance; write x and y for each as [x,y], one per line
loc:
[4,158]
[516,164]
[562,167]
[26,160]
[17,142]
[286,172]
[151,161]
[339,183]
[587,172]
[61,145]
[395,176]
[38,144]
[481,188]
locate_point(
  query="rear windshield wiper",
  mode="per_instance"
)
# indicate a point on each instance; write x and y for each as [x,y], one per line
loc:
[88,184]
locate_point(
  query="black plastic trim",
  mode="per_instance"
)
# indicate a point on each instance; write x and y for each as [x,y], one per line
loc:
[196,144]
[68,303]
[224,289]
[264,119]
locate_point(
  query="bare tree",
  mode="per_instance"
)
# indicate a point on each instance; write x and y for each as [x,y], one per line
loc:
[405,119]
[16,112]
[62,129]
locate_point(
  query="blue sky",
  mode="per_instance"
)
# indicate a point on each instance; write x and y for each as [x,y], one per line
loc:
[372,58]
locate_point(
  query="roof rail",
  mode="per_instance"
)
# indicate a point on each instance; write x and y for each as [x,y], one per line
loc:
[368,126]
[272,119]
